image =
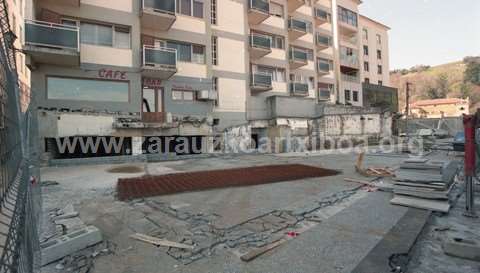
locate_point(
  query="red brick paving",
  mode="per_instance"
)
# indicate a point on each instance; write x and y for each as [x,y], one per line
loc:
[147,186]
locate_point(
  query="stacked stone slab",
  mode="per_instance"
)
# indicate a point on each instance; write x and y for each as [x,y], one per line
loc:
[424,183]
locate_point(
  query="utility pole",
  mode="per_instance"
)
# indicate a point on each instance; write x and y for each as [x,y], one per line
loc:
[407,106]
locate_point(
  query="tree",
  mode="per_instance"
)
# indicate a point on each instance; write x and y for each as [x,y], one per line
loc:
[443,85]
[472,72]
[431,92]
[465,90]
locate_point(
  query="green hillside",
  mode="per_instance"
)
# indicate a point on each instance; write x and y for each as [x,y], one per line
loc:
[453,80]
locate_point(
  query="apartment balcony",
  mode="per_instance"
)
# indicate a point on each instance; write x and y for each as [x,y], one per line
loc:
[299,89]
[260,45]
[297,58]
[347,28]
[323,41]
[296,28]
[158,14]
[349,40]
[50,43]
[350,78]
[260,82]
[258,11]
[349,61]
[324,94]
[323,68]
[159,62]
[322,16]
[293,5]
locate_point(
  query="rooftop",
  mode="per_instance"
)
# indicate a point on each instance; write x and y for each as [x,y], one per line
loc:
[438,102]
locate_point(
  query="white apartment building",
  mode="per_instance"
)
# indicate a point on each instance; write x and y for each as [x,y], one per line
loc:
[169,68]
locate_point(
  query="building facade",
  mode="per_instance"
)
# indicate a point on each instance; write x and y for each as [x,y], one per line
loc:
[16,12]
[170,68]
[440,108]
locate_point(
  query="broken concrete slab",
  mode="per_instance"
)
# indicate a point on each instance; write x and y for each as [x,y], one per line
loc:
[462,248]
[56,249]
[441,206]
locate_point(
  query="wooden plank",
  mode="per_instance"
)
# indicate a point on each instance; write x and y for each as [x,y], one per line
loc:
[419,203]
[158,241]
[260,251]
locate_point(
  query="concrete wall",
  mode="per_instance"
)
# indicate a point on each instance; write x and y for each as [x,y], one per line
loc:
[451,124]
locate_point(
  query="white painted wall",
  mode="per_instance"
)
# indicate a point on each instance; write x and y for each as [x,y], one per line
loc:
[231,55]
[227,19]
[232,95]
[123,5]
[191,70]
[105,55]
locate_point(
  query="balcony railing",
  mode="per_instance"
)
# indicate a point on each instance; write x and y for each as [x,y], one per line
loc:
[350,60]
[322,14]
[323,67]
[259,40]
[260,5]
[298,55]
[349,39]
[164,6]
[161,57]
[323,40]
[299,88]
[324,94]
[350,78]
[297,25]
[259,79]
[45,34]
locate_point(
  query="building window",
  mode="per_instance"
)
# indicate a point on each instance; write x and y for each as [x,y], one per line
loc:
[365,50]
[347,95]
[347,16]
[367,80]
[379,54]
[104,35]
[213,12]
[188,53]
[380,70]
[182,95]
[87,89]
[366,66]
[214,50]
[380,83]
[190,8]
[355,95]
[197,9]
[94,34]
[215,89]
[379,39]
[122,37]
[278,42]
[365,34]
[276,10]
[277,74]
[309,54]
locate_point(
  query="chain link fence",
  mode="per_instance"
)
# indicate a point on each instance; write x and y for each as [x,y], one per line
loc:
[20,202]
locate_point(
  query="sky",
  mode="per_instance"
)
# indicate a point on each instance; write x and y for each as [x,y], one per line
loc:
[428,32]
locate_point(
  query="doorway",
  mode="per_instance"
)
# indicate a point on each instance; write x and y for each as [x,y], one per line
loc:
[152,100]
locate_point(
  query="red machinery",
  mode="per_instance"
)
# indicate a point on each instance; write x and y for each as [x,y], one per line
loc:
[470,123]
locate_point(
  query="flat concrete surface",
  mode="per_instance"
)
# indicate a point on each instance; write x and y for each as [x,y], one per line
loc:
[399,240]
[350,220]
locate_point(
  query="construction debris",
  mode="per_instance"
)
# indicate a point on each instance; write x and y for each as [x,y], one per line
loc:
[159,242]
[462,248]
[371,171]
[56,249]
[424,184]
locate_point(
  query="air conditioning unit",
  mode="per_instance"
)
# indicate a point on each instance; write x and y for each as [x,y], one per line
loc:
[206,95]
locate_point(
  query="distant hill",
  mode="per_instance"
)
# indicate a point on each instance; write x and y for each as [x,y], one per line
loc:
[451,80]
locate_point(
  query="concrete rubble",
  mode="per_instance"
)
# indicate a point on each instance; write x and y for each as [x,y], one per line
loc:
[425,184]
